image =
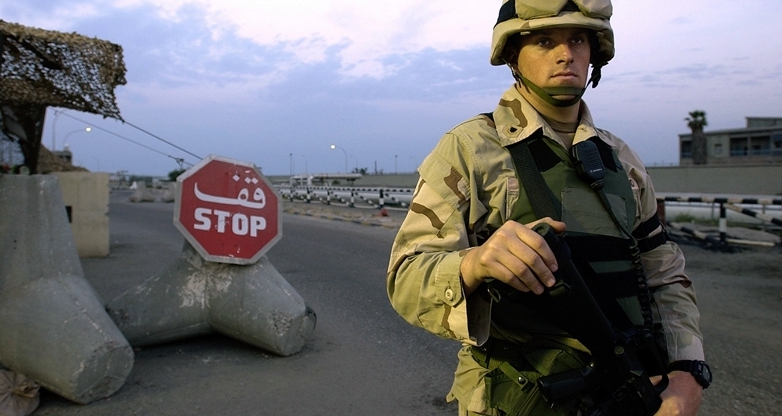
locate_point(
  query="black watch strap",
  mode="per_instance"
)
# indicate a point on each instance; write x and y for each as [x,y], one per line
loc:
[699,369]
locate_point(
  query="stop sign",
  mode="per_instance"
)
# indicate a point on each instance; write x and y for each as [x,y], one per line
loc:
[227,210]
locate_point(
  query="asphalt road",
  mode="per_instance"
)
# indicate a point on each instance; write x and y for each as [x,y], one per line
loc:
[363,358]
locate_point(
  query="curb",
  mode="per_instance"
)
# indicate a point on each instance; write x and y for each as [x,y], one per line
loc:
[333,217]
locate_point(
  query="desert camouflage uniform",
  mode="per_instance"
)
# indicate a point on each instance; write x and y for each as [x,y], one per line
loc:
[467,189]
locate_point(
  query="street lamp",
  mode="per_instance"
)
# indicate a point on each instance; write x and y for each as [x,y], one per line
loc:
[54,124]
[334,146]
[306,174]
[355,163]
[290,180]
[65,139]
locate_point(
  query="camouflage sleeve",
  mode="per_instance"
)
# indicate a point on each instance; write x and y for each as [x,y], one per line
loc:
[675,303]
[423,280]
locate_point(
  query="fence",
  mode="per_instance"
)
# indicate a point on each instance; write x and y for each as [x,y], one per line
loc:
[725,204]
[749,207]
[373,197]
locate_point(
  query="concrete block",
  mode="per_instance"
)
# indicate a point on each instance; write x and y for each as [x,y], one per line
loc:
[53,327]
[169,195]
[251,303]
[142,193]
[87,196]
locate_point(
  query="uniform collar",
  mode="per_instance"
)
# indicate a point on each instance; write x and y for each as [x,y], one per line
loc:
[516,120]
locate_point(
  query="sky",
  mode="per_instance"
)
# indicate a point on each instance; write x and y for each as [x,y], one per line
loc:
[276,83]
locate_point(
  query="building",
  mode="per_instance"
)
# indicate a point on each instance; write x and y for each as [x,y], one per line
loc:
[64,155]
[758,143]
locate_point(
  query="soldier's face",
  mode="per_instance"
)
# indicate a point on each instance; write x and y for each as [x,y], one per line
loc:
[555,57]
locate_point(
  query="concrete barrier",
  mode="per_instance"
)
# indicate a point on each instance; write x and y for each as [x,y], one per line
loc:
[142,194]
[86,194]
[53,327]
[251,303]
[169,195]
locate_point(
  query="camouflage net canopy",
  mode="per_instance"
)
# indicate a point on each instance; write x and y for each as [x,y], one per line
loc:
[49,68]
[41,68]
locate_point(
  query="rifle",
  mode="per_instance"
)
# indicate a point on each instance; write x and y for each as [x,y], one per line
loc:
[615,382]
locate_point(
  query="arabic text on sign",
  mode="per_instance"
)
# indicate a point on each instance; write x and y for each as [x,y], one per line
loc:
[242,199]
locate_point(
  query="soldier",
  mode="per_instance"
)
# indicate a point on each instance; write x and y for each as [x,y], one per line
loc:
[475,204]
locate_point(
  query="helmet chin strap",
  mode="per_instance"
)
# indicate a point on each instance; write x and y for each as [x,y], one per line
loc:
[547,94]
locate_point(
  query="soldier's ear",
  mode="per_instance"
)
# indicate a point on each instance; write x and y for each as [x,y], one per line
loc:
[510,52]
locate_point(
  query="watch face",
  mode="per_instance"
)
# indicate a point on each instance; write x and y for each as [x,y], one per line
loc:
[705,372]
[699,369]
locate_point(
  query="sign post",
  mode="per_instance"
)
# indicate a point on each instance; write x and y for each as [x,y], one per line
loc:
[228,211]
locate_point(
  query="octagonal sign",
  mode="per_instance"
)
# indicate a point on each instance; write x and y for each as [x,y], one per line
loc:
[228,210]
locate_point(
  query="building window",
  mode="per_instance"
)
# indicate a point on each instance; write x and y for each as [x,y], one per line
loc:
[717,148]
[738,146]
[761,145]
[776,144]
[686,150]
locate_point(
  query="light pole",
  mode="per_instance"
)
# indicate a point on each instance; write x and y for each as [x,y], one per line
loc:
[54,124]
[305,165]
[290,179]
[395,170]
[334,146]
[306,174]
[65,139]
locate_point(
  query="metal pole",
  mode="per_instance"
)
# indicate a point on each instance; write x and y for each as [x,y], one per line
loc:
[334,146]
[306,174]
[65,139]
[723,223]
[54,124]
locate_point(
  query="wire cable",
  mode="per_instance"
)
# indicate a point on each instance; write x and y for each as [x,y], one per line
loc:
[161,139]
[179,160]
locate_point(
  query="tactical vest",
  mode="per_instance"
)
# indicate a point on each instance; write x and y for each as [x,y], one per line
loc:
[603,254]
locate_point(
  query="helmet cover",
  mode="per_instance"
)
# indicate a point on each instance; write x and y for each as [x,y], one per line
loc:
[524,16]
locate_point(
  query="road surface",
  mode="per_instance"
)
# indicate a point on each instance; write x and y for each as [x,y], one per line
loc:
[364,359]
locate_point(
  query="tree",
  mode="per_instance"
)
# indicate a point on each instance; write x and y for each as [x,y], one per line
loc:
[696,122]
[175,173]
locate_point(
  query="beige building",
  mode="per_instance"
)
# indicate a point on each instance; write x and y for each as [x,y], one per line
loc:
[759,142]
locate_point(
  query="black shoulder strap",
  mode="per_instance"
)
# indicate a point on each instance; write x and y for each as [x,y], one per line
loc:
[532,180]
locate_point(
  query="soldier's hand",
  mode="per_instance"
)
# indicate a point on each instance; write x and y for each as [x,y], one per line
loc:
[514,254]
[682,397]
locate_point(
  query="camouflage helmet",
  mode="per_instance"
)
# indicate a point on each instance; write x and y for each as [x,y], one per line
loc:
[523,16]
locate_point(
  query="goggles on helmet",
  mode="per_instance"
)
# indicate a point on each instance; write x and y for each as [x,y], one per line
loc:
[524,16]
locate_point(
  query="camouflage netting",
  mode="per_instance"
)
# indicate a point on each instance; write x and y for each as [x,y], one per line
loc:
[44,67]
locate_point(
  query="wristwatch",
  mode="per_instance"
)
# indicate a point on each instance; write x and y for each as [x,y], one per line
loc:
[699,369]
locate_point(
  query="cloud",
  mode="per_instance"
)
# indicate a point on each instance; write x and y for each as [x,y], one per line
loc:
[263,80]
[366,34]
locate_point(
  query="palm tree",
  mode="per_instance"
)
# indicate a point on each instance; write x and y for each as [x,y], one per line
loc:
[696,121]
